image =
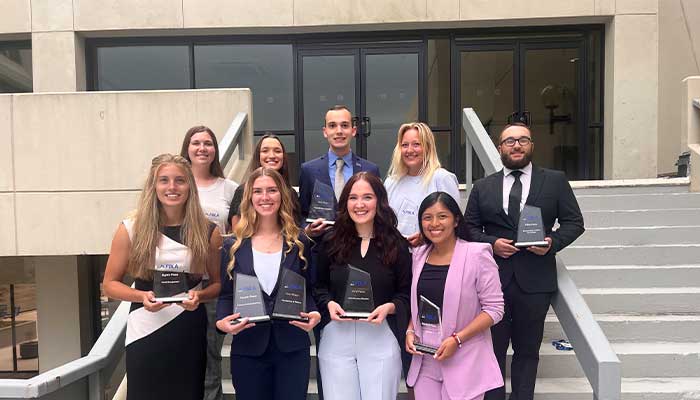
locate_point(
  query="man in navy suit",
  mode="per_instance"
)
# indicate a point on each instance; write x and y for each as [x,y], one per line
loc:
[335,167]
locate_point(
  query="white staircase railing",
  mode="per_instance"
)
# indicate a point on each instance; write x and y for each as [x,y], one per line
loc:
[86,377]
[593,351]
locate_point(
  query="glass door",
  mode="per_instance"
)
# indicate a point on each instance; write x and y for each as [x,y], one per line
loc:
[380,85]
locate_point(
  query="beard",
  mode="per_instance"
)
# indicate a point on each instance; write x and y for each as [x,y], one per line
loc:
[513,164]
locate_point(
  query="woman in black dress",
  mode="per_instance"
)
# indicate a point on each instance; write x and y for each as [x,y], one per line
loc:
[165,343]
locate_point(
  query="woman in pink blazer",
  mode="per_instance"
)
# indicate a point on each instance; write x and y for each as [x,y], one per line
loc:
[461,278]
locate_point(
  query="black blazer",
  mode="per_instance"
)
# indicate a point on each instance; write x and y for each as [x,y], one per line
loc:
[317,169]
[486,222]
[254,341]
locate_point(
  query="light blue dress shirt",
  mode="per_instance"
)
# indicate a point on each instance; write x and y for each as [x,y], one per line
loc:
[347,167]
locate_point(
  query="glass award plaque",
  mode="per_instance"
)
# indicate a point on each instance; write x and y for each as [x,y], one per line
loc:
[291,297]
[430,319]
[530,228]
[407,218]
[248,299]
[322,203]
[358,301]
[171,279]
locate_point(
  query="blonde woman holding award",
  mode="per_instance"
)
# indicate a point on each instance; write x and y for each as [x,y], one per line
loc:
[167,247]
[415,172]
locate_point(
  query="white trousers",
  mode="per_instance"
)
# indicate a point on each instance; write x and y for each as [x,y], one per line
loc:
[359,361]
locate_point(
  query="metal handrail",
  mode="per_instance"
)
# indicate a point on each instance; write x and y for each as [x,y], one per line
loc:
[108,346]
[102,359]
[479,141]
[593,351]
[696,103]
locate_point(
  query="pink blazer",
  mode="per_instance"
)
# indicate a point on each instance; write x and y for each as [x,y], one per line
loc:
[472,286]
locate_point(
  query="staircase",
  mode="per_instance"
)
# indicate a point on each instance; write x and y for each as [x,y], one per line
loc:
[638,267]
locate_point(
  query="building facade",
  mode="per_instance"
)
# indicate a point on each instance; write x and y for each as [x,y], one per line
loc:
[599,79]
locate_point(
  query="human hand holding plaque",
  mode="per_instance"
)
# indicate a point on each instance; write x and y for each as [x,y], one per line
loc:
[531,228]
[358,301]
[430,319]
[323,204]
[248,299]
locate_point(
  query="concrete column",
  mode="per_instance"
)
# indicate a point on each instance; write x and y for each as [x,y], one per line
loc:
[690,128]
[58,62]
[58,310]
[631,96]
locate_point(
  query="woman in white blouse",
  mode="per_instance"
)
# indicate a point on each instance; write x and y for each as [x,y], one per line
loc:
[415,172]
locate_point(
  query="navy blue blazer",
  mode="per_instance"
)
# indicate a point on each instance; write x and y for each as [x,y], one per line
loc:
[254,341]
[317,169]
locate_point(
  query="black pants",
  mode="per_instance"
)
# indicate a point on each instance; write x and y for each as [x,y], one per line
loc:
[272,376]
[523,325]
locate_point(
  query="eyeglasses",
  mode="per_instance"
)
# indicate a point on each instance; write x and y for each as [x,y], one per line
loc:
[522,140]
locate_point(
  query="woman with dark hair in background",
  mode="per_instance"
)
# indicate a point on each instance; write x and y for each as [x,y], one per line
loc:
[269,360]
[461,278]
[269,153]
[361,359]
[201,149]
[165,343]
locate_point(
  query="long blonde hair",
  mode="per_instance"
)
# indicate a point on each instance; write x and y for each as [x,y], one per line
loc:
[431,162]
[248,224]
[148,220]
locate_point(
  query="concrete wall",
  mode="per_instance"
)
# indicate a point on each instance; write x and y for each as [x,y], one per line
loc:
[679,57]
[79,160]
[636,110]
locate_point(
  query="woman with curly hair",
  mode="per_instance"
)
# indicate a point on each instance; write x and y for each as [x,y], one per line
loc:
[269,360]
[165,343]
[361,359]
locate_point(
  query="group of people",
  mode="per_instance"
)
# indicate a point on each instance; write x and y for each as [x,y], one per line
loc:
[408,233]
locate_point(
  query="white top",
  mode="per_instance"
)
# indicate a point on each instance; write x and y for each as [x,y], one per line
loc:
[267,268]
[216,201]
[406,194]
[508,181]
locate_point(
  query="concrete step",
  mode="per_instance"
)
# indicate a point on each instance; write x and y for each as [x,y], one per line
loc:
[229,391]
[639,360]
[658,201]
[636,328]
[643,301]
[668,254]
[629,218]
[584,188]
[610,276]
[640,235]
[684,388]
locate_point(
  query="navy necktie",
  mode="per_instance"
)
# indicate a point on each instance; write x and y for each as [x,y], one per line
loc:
[516,194]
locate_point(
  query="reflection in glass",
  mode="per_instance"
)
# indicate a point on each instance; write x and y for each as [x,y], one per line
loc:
[391,89]
[15,69]
[551,95]
[265,69]
[143,68]
[18,319]
[327,81]
[442,143]
[438,75]
[595,75]
[486,85]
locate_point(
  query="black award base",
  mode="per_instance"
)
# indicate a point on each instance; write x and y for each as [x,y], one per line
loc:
[261,318]
[289,317]
[522,245]
[355,315]
[425,349]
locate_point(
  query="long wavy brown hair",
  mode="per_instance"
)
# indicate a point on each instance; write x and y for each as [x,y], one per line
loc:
[248,224]
[148,221]
[215,168]
[343,238]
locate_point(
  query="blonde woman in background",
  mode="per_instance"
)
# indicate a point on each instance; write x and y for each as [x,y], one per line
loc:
[165,343]
[216,193]
[415,172]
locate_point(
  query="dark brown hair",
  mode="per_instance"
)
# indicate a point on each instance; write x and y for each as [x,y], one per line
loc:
[215,166]
[255,161]
[343,238]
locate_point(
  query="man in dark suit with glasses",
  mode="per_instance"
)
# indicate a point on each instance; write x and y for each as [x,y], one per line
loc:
[528,275]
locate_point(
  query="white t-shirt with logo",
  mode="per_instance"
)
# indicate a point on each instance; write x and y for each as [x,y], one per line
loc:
[216,201]
[406,194]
